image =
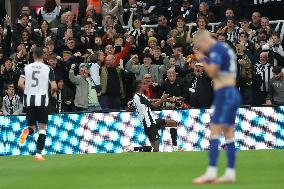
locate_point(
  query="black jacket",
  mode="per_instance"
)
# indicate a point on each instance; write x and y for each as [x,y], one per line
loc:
[198,91]
[175,89]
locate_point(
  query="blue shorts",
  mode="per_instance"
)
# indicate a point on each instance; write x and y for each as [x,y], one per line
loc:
[225,106]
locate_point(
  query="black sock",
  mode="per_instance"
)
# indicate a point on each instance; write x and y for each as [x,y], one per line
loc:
[31,130]
[173,132]
[40,143]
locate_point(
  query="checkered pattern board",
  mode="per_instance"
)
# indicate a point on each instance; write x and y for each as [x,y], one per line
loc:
[256,128]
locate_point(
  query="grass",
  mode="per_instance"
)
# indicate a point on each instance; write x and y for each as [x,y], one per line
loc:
[256,169]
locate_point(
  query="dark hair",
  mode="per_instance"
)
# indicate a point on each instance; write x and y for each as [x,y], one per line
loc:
[24,15]
[87,23]
[202,17]
[147,55]
[245,33]
[222,34]
[46,23]
[38,52]
[49,5]
[274,34]
[136,84]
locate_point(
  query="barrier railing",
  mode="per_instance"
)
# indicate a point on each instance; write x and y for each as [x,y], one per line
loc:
[256,128]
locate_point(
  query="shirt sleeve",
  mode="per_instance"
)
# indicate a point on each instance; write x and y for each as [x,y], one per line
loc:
[51,75]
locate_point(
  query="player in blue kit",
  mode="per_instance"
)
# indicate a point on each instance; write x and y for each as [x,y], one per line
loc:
[221,66]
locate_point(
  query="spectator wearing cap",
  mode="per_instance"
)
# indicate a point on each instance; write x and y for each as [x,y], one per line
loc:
[249,84]
[276,88]
[255,21]
[163,28]
[64,101]
[6,39]
[264,68]
[231,29]
[43,34]
[156,71]
[198,88]
[86,96]
[204,11]
[113,85]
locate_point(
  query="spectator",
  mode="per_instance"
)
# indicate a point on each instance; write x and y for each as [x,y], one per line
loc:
[245,28]
[109,23]
[114,8]
[9,73]
[168,47]
[189,10]
[156,71]
[202,24]
[204,11]
[32,17]
[98,44]
[248,45]
[11,102]
[243,59]
[264,22]
[44,34]
[92,13]
[229,13]
[134,26]
[276,88]
[86,96]
[162,29]
[177,53]
[64,101]
[88,36]
[198,88]
[232,30]
[275,49]
[149,15]
[135,7]
[20,27]
[255,21]
[21,57]
[152,88]
[57,68]
[50,12]
[179,32]
[112,82]
[264,68]
[158,57]
[249,85]
[172,85]
[70,24]
[5,39]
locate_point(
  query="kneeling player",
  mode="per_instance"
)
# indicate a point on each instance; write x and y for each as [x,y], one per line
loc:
[150,123]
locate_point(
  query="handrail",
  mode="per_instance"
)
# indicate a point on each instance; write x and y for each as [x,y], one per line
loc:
[213,25]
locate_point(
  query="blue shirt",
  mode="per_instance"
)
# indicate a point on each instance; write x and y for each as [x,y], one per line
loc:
[222,55]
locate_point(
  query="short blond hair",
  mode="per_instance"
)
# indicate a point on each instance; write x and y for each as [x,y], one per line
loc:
[199,35]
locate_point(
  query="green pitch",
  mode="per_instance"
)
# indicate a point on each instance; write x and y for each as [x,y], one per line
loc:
[256,169]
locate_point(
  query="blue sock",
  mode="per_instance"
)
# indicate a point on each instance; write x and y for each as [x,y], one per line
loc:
[231,154]
[213,152]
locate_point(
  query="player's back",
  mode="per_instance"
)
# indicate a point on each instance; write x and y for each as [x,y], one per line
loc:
[36,84]
[222,55]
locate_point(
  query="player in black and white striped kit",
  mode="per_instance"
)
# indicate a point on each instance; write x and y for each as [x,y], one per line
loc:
[35,82]
[150,123]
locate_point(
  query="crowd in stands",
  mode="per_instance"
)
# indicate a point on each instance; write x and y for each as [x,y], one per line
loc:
[97,56]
